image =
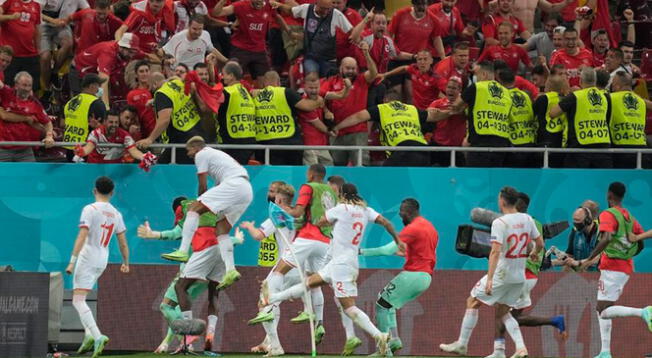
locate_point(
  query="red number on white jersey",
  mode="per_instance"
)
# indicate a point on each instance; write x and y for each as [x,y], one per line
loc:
[107,231]
[357,227]
[517,243]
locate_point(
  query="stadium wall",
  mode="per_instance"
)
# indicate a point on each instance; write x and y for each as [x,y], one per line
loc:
[128,313]
[41,203]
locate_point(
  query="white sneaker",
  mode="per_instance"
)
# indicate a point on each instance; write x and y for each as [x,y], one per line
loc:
[454,347]
[382,343]
[275,351]
[521,353]
[497,354]
[162,348]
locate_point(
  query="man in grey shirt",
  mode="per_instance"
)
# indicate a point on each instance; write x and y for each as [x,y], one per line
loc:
[541,42]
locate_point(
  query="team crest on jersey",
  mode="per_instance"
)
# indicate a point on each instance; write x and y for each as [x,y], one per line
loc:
[594,98]
[495,91]
[327,200]
[630,102]
[398,106]
[74,103]
[265,95]
[518,100]
[243,92]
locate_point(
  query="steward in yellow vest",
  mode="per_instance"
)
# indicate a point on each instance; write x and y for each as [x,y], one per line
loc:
[552,130]
[276,119]
[236,117]
[588,112]
[627,122]
[84,112]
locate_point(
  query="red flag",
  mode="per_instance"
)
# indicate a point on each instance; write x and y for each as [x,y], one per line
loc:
[211,96]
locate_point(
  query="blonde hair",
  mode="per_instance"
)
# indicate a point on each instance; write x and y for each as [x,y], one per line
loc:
[285,189]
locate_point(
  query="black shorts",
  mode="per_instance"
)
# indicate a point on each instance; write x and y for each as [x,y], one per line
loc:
[254,63]
[398,79]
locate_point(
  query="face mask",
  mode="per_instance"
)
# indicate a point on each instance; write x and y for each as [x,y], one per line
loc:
[579,226]
[271,199]
[100,92]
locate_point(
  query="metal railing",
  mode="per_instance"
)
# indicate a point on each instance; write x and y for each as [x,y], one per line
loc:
[360,149]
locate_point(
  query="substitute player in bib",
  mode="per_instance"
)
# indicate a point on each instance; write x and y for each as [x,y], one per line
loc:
[284,193]
[616,264]
[505,279]
[349,219]
[310,246]
[420,240]
[90,255]
[230,197]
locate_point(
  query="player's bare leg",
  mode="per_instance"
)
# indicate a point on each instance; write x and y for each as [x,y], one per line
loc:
[535,321]
[468,324]
[190,225]
[222,229]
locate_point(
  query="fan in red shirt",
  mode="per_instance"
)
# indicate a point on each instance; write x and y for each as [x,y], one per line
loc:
[22,118]
[249,39]
[415,29]
[19,30]
[381,47]
[423,79]
[457,64]
[599,44]
[490,26]
[6,54]
[449,132]
[315,131]
[148,19]
[344,46]
[506,50]
[109,59]
[94,25]
[449,21]
[141,98]
[109,132]
[353,103]
[572,57]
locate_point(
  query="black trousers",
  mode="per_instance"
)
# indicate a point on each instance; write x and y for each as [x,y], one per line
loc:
[485,159]
[31,65]
[588,160]
[407,159]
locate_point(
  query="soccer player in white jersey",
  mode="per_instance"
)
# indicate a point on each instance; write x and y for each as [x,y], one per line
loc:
[230,197]
[504,282]
[349,219]
[284,193]
[90,255]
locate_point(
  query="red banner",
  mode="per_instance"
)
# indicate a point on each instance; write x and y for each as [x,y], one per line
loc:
[128,312]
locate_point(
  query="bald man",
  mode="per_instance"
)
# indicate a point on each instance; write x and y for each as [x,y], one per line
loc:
[583,236]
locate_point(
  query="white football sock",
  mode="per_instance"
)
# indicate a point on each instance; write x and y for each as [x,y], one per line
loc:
[186,314]
[621,311]
[271,328]
[226,249]
[511,325]
[468,324]
[212,322]
[317,300]
[347,323]
[275,282]
[605,333]
[190,225]
[86,316]
[499,345]
[295,291]
[362,320]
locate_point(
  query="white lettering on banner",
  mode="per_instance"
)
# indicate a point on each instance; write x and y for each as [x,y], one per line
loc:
[19,304]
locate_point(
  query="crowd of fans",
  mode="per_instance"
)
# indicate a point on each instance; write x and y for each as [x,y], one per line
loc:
[325,72]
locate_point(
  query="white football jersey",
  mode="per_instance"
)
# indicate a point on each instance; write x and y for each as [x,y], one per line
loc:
[219,165]
[514,232]
[102,221]
[349,224]
[268,228]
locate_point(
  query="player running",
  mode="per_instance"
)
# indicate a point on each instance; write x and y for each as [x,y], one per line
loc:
[420,238]
[616,264]
[230,197]
[90,255]
[505,279]
[350,218]
[284,193]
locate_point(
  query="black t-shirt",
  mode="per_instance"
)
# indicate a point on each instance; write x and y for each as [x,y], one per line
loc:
[477,140]
[568,105]
[374,113]
[545,138]
[292,97]
[97,110]
[161,102]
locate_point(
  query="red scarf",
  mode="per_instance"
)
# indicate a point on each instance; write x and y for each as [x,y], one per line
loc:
[211,96]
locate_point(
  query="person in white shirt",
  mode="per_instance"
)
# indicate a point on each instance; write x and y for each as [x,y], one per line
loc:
[90,255]
[187,9]
[502,286]
[191,45]
[282,194]
[229,198]
[349,219]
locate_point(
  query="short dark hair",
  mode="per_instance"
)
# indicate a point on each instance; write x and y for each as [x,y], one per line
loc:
[617,189]
[233,68]
[569,30]
[618,52]
[462,45]
[499,65]
[102,4]
[318,169]
[200,19]
[411,204]
[602,78]
[115,112]
[177,202]
[140,64]
[336,179]
[104,185]
[486,66]
[510,195]
[7,50]
[523,202]
[506,77]
[183,65]
[199,65]
[625,44]
[539,70]
[129,108]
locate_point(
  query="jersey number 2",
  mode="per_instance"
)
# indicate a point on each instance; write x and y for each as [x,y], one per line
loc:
[357,227]
[107,231]
[516,242]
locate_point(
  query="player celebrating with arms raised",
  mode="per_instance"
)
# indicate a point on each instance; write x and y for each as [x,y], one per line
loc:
[504,282]
[231,196]
[90,255]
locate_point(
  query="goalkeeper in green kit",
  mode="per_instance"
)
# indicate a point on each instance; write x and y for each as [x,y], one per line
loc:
[205,233]
[420,238]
